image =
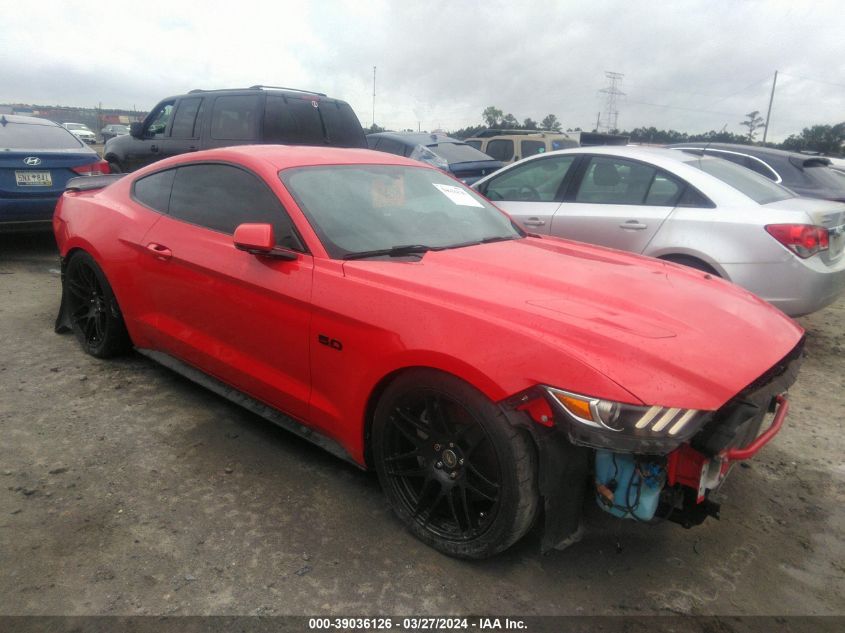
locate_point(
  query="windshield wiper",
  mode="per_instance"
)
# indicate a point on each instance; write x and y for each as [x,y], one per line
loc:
[485,240]
[500,238]
[396,251]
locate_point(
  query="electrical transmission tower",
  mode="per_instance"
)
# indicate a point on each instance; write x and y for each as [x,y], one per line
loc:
[611,112]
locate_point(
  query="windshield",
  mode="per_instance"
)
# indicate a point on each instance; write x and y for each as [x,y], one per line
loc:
[759,188]
[35,136]
[458,152]
[362,208]
[75,126]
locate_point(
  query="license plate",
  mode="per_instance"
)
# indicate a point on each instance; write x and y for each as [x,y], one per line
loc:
[34,179]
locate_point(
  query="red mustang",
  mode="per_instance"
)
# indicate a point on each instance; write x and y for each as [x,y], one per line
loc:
[398,319]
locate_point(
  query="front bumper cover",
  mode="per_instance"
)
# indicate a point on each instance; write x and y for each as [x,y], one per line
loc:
[565,453]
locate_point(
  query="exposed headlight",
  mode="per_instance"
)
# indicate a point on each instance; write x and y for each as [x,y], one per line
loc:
[625,427]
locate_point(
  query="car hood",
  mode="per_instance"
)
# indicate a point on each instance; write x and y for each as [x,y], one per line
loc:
[668,335]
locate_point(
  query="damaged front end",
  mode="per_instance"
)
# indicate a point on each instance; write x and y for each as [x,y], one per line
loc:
[647,463]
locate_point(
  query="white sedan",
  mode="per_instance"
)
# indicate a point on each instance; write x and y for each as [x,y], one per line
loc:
[703,212]
[81,131]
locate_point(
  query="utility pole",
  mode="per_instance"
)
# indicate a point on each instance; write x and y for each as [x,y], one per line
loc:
[374,99]
[769,113]
[612,92]
[598,120]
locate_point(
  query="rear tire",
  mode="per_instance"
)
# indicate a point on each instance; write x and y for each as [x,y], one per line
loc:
[461,478]
[94,315]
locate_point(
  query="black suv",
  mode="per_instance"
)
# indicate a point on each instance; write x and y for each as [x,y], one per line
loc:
[204,119]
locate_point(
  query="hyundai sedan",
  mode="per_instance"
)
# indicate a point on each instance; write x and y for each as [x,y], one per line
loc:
[377,307]
[37,158]
[703,212]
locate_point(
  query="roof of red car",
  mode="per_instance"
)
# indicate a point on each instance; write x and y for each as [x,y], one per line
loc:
[285,156]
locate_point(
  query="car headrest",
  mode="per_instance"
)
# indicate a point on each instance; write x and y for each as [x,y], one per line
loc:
[605,175]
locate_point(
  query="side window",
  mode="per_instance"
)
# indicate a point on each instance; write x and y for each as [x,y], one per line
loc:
[739,159]
[235,118]
[475,144]
[500,149]
[529,148]
[611,180]
[692,198]
[185,118]
[220,197]
[762,168]
[664,191]
[537,180]
[153,191]
[342,126]
[293,121]
[391,146]
[159,120]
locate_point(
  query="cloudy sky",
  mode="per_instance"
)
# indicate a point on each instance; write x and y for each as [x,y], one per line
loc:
[688,65]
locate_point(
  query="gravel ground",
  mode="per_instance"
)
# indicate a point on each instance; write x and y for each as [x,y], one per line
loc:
[129,490]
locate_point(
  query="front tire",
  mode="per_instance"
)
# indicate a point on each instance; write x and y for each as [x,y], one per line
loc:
[95,317]
[461,478]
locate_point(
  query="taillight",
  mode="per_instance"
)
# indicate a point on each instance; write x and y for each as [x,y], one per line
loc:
[805,240]
[93,169]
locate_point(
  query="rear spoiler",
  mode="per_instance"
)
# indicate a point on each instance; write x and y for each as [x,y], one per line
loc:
[89,183]
[809,161]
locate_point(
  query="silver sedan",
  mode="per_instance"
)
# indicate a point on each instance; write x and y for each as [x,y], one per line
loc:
[702,212]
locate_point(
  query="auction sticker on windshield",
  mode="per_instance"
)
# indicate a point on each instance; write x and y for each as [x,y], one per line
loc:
[458,196]
[33,179]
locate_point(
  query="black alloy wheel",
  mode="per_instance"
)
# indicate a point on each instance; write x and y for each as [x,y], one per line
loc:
[94,314]
[453,469]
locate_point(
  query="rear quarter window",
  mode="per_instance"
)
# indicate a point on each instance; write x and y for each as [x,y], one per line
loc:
[153,191]
[759,188]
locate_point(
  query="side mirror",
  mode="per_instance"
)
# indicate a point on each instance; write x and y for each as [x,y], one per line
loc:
[136,129]
[260,239]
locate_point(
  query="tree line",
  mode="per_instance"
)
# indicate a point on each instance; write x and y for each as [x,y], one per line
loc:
[825,139]
[821,138]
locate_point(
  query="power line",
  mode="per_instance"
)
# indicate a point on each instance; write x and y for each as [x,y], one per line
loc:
[821,81]
[660,105]
[759,81]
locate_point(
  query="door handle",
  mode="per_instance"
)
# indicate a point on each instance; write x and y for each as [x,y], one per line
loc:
[634,225]
[159,252]
[534,222]
[193,148]
[154,148]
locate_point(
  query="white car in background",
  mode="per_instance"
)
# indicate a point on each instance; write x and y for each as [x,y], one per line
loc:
[81,131]
[702,212]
